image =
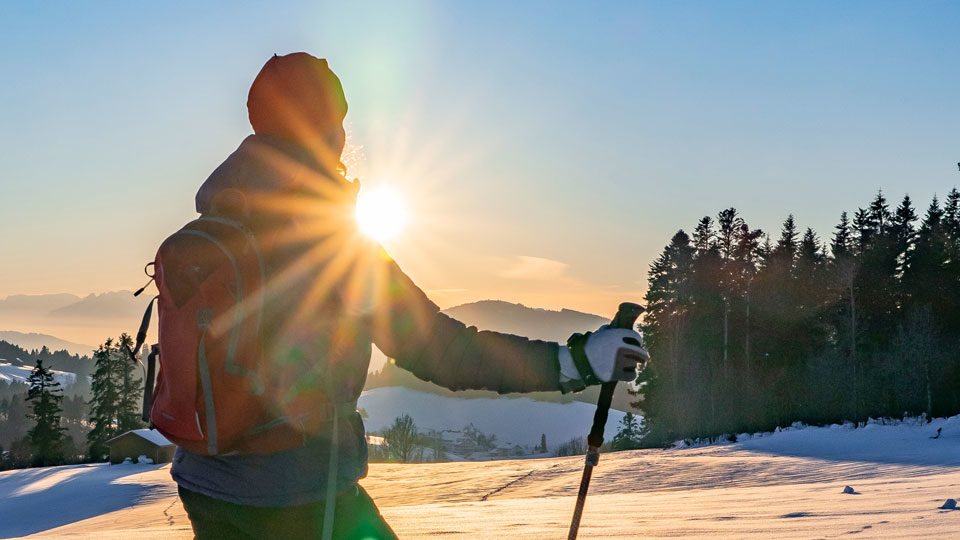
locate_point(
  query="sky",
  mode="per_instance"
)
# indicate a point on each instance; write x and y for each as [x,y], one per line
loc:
[547,150]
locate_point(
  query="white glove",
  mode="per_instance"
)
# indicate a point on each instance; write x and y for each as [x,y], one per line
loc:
[612,354]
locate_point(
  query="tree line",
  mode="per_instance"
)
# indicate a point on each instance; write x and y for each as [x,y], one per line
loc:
[41,424]
[748,333]
[60,360]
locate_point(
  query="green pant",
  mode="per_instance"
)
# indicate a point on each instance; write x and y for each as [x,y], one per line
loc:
[355,518]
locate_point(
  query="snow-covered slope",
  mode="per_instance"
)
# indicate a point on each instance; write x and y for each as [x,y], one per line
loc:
[518,421]
[10,372]
[35,500]
[788,484]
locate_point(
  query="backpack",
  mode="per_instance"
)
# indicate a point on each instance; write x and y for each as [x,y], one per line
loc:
[211,396]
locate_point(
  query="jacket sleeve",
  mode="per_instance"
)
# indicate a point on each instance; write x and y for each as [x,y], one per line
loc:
[409,328]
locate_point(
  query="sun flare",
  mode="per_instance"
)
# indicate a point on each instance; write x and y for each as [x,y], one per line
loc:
[381,213]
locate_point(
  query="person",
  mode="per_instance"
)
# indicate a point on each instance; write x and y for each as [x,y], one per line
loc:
[332,293]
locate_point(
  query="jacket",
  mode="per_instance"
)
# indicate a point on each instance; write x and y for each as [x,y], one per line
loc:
[332,294]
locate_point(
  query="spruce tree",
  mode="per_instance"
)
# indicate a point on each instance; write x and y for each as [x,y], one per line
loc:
[840,246]
[629,434]
[114,408]
[869,329]
[786,248]
[131,388]
[878,215]
[46,435]
[666,330]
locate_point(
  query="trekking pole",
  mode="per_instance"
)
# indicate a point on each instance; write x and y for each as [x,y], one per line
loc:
[625,318]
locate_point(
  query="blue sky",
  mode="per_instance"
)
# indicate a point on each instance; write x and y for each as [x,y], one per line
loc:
[548,149]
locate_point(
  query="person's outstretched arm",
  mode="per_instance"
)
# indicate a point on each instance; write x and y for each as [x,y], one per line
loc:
[410,328]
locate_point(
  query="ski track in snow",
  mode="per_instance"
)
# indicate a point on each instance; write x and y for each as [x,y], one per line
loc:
[781,485]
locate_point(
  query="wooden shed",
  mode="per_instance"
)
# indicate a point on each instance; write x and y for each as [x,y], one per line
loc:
[141,442]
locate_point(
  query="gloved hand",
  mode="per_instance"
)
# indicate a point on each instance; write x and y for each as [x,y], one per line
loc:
[609,354]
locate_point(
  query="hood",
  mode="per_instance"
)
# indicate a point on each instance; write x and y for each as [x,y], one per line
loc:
[296,97]
[262,166]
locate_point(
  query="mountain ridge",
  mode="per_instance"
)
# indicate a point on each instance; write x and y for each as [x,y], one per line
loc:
[35,340]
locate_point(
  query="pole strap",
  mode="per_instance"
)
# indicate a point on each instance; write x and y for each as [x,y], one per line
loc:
[577,344]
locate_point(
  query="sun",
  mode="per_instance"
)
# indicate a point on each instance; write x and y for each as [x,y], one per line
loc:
[381,213]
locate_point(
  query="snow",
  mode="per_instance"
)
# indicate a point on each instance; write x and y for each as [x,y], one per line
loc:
[151,435]
[35,500]
[787,484]
[515,421]
[13,373]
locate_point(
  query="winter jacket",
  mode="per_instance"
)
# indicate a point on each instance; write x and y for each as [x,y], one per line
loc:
[333,293]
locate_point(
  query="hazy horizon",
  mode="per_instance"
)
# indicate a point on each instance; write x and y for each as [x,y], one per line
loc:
[94,323]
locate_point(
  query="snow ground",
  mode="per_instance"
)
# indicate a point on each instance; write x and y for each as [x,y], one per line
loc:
[781,485]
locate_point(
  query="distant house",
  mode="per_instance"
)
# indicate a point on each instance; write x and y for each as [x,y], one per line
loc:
[141,442]
[376,441]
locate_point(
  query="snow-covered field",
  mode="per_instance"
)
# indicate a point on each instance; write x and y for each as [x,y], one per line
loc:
[10,372]
[781,485]
[515,421]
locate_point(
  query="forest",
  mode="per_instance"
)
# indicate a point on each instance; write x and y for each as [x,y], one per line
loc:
[42,423]
[748,333]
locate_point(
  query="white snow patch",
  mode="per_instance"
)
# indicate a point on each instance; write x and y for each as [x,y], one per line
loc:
[890,441]
[13,373]
[153,436]
[514,420]
[73,493]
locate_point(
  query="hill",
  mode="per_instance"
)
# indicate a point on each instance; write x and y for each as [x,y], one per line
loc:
[33,340]
[109,305]
[35,304]
[535,323]
[777,485]
[91,319]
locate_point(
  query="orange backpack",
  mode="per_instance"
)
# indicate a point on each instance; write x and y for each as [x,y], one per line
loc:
[211,396]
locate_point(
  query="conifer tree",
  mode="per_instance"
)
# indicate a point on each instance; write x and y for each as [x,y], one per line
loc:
[786,248]
[131,388]
[666,328]
[868,329]
[878,215]
[903,233]
[114,408]
[46,435]
[840,246]
[629,434]
[863,231]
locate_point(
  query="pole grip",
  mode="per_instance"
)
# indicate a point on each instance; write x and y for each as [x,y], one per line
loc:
[625,318]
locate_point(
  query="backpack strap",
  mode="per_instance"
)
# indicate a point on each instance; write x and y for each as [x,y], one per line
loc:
[148,385]
[151,358]
[141,332]
[333,466]
[256,384]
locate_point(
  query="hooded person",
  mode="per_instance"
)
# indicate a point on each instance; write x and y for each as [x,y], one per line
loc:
[330,294]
